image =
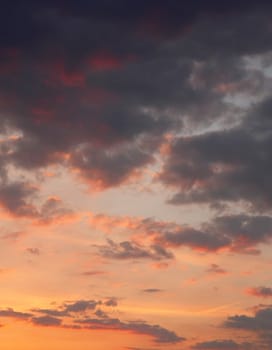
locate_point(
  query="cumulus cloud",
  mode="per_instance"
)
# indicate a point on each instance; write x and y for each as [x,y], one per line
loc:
[19,199]
[224,166]
[261,321]
[259,324]
[106,104]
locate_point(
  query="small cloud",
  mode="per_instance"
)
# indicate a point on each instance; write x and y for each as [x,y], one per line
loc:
[216,269]
[111,302]
[152,290]
[262,292]
[81,305]
[93,273]
[33,251]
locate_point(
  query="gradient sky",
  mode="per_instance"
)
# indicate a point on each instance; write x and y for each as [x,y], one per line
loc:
[136,175]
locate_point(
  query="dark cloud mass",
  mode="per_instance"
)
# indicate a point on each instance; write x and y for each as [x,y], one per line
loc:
[175,92]
[224,166]
[105,102]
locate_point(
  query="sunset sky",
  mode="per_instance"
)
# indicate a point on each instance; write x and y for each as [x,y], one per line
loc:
[136,174]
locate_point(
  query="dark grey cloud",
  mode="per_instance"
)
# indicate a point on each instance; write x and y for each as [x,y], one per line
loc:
[225,344]
[51,312]
[132,250]
[109,168]
[224,166]
[160,334]
[195,239]
[259,325]
[68,309]
[240,233]
[19,199]
[90,314]
[14,197]
[9,312]
[106,102]
[81,305]
[261,321]
[100,313]
[46,321]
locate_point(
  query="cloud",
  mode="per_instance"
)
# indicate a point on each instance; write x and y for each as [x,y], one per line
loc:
[14,197]
[81,305]
[216,269]
[93,273]
[132,250]
[104,169]
[9,312]
[100,313]
[33,251]
[225,344]
[261,321]
[259,324]
[106,105]
[13,236]
[18,199]
[238,233]
[46,321]
[262,292]
[152,290]
[51,312]
[224,166]
[111,302]
[69,315]
[160,334]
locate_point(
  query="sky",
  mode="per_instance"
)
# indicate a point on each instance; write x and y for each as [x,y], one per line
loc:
[135,175]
